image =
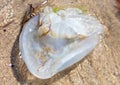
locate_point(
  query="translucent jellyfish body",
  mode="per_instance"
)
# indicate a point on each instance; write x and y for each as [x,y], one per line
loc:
[51,42]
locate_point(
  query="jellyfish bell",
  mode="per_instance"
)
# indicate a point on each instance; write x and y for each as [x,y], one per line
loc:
[62,39]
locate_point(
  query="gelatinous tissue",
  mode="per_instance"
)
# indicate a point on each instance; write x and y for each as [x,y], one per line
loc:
[53,41]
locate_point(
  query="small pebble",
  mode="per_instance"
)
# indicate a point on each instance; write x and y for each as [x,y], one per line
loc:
[11,65]
[4,30]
